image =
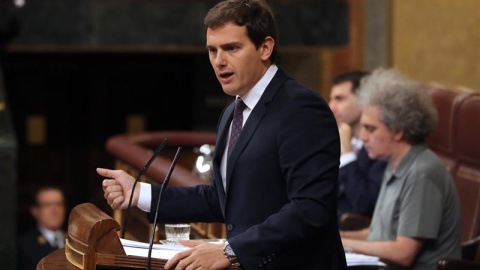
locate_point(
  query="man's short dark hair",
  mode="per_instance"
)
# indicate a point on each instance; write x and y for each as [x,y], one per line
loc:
[354,77]
[255,15]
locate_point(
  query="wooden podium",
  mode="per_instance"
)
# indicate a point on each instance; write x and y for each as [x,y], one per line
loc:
[93,241]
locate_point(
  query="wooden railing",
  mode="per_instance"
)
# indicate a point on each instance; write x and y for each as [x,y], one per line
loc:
[133,151]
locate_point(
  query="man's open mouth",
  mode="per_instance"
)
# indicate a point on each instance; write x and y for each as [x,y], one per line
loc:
[226,75]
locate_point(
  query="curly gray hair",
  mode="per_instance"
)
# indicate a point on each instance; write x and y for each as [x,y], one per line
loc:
[403,104]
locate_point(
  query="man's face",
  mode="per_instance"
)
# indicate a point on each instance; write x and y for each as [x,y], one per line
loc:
[343,104]
[379,140]
[237,63]
[50,211]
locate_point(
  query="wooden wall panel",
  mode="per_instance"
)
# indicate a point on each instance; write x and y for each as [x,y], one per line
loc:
[437,40]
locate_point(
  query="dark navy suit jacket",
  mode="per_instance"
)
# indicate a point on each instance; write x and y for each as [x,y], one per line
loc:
[32,247]
[280,201]
[359,185]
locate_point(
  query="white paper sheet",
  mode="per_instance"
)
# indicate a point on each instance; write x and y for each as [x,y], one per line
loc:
[135,248]
[360,259]
[156,253]
[136,244]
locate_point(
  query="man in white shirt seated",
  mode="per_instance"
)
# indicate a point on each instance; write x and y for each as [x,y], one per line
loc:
[47,236]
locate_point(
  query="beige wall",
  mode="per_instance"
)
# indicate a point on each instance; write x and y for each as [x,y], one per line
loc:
[437,40]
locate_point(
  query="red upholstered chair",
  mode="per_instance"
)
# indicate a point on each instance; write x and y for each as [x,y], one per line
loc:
[467,176]
[466,151]
[446,102]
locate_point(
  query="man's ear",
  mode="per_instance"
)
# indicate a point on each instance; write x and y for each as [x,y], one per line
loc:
[266,49]
[398,135]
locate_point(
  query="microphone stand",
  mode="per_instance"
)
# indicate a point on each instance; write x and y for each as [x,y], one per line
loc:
[140,174]
[164,184]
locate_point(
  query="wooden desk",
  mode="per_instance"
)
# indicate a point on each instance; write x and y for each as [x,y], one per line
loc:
[58,261]
[55,261]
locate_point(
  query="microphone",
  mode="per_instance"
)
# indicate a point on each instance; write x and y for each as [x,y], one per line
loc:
[140,174]
[164,184]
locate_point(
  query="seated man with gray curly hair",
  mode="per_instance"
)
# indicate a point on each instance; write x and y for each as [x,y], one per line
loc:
[416,221]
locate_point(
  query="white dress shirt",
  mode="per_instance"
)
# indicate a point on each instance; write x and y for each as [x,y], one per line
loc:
[250,99]
[54,238]
[350,157]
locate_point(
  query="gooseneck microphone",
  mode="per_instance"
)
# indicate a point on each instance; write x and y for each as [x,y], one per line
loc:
[140,174]
[164,184]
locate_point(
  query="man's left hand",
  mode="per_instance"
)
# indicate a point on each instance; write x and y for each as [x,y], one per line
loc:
[201,255]
[346,134]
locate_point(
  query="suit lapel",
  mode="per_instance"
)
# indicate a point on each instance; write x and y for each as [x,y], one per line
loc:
[247,132]
[222,134]
[253,121]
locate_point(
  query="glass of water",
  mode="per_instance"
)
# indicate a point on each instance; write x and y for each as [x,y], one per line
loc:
[175,232]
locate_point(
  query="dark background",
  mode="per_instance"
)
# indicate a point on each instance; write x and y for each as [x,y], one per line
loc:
[86,98]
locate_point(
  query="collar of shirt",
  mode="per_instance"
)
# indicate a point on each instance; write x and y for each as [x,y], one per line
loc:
[357,144]
[405,163]
[50,235]
[253,96]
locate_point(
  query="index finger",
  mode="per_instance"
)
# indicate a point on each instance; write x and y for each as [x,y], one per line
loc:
[175,259]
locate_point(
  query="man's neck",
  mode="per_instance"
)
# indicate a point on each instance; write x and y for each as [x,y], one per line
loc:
[43,228]
[265,68]
[253,95]
[399,153]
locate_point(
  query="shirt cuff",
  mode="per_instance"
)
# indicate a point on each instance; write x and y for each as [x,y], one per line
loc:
[145,197]
[347,158]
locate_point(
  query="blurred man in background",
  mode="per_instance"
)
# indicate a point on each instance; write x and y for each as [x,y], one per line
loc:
[417,218]
[48,235]
[359,177]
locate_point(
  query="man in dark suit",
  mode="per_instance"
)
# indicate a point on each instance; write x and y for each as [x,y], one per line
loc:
[360,177]
[47,236]
[276,160]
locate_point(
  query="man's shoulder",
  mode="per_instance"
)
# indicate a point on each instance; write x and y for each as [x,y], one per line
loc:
[284,90]
[291,85]
[30,234]
[294,87]
[31,241]
[429,168]
[292,93]
[427,162]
